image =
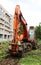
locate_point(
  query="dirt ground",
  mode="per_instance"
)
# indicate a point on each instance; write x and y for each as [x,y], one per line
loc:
[10,61]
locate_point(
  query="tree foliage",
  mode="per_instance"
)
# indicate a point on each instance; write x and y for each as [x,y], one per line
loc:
[20,29]
[38,32]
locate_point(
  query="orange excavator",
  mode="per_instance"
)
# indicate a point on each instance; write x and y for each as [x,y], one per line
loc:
[23,39]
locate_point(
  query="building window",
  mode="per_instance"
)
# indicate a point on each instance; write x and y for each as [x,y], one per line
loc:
[7,17]
[5,36]
[7,27]
[1,20]
[1,35]
[8,36]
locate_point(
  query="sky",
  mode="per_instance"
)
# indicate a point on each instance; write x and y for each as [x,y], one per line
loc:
[31,9]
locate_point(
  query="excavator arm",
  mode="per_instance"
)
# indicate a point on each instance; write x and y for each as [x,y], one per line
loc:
[18,18]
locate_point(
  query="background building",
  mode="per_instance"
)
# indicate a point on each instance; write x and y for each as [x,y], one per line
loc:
[6,25]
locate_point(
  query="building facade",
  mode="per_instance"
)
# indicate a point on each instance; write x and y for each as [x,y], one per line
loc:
[6,25]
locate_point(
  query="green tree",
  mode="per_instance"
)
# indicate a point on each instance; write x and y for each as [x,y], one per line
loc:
[20,29]
[38,32]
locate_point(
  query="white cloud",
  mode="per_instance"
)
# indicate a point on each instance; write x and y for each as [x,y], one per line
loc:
[31,9]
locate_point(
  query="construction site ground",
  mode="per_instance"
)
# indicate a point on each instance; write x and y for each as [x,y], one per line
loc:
[32,57]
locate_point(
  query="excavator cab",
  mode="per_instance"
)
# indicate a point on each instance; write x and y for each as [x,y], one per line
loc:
[32,33]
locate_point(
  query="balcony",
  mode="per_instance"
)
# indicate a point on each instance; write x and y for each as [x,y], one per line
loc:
[4,18]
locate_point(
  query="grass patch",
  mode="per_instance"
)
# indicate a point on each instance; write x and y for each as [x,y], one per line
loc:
[32,58]
[38,41]
[3,50]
